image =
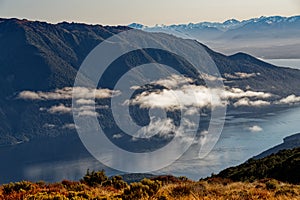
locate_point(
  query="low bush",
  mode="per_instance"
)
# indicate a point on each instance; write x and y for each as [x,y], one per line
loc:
[144,189]
[17,187]
[271,184]
[118,183]
[73,185]
[181,190]
[94,178]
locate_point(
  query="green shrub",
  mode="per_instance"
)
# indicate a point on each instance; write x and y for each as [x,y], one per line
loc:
[94,178]
[118,183]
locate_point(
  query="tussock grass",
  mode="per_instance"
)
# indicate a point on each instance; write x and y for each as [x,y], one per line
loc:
[183,189]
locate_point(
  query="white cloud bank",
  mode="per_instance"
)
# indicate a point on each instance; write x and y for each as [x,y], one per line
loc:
[180,93]
[291,99]
[67,92]
[82,110]
[69,126]
[255,128]
[166,128]
[84,97]
[240,75]
[59,109]
[248,102]
[200,97]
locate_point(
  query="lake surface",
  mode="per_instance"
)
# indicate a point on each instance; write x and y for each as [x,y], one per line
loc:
[65,157]
[292,63]
[237,143]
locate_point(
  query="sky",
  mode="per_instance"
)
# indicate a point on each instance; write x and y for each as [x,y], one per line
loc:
[147,12]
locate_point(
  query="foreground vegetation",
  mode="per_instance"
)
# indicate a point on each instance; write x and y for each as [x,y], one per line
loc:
[96,185]
[251,180]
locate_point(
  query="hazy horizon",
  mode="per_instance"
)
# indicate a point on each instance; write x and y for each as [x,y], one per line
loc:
[124,12]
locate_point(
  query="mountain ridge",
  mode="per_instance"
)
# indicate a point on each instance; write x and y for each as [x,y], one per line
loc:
[224,26]
[265,37]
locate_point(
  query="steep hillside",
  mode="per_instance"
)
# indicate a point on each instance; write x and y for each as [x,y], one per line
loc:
[40,56]
[283,166]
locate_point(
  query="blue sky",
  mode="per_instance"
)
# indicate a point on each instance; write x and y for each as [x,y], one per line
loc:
[147,12]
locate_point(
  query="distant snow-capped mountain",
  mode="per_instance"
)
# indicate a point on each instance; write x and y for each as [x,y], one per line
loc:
[268,37]
[224,26]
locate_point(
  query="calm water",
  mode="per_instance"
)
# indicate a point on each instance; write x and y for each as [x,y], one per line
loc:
[65,157]
[237,143]
[293,63]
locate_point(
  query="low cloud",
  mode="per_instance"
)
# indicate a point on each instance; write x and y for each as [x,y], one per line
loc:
[240,75]
[255,128]
[65,126]
[84,98]
[59,109]
[83,110]
[69,126]
[248,102]
[192,111]
[87,113]
[29,95]
[50,126]
[85,102]
[67,93]
[186,96]
[236,93]
[292,99]
[208,77]
[174,81]
[162,127]
[117,136]
[197,97]
[165,128]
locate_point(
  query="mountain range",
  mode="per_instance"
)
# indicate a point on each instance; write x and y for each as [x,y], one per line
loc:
[264,37]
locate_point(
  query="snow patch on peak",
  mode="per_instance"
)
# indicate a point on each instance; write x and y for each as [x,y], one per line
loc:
[225,26]
[231,21]
[136,26]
